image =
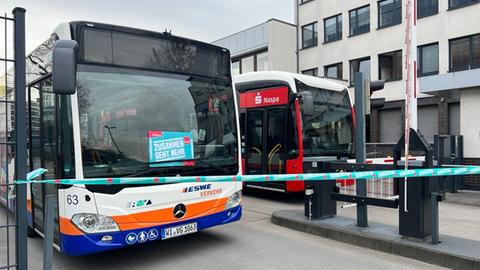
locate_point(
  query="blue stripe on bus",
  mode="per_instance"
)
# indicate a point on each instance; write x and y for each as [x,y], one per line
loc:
[30,219]
[77,245]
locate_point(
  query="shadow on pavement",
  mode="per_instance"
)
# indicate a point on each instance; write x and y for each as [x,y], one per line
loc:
[146,255]
[296,197]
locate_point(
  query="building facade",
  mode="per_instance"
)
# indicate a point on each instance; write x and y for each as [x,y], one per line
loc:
[268,46]
[339,38]
[336,39]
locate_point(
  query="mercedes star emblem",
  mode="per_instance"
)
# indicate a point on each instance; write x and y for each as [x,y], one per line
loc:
[179,210]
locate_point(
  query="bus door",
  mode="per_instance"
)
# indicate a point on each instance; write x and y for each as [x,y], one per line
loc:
[43,147]
[265,131]
[266,140]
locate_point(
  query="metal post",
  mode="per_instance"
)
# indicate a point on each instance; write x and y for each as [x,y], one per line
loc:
[441,161]
[20,138]
[297,48]
[459,160]
[453,160]
[435,233]
[48,232]
[360,147]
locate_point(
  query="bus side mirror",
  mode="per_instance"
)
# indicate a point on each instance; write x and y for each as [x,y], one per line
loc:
[306,99]
[65,67]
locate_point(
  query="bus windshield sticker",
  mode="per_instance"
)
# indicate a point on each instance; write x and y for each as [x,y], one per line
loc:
[165,146]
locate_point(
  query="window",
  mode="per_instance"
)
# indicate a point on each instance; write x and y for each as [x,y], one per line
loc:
[426,8]
[262,61]
[311,72]
[465,53]
[389,13]
[334,71]
[427,60]
[159,53]
[48,127]
[390,66]
[333,28]
[248,64]
[35,134]
[460,3]
[329,130]
[309,35]
[359,65]
[113,127]
[236,68]
[360,20]
[253,62]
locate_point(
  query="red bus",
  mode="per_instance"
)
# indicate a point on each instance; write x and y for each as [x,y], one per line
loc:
[289,122]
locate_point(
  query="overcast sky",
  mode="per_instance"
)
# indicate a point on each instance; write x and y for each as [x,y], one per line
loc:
[205,20]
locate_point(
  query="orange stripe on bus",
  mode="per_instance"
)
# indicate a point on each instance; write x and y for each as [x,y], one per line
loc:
[165,215]
[155,217]
[29,205]
[140,225]
[67,227]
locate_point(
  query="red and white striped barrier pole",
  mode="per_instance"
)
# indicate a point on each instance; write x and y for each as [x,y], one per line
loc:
[411,80]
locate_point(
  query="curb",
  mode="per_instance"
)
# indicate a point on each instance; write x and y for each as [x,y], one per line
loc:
[393,246]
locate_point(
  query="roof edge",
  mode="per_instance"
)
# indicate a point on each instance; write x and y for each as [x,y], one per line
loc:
[256,25]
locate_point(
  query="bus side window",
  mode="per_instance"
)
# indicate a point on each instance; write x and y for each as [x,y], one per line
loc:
[34,122]
[49,128]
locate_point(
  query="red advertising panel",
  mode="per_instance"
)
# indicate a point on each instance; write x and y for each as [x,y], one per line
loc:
[265,97]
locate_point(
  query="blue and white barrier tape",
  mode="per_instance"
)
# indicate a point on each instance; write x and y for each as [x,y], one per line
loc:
[363,175]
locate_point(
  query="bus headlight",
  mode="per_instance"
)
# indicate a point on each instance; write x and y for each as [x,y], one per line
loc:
[93,223]
[234,200]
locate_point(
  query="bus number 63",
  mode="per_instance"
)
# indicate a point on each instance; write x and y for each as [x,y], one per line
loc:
[72,199]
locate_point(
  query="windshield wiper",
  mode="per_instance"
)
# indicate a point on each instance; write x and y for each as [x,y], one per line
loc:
[211,165]
[120,153]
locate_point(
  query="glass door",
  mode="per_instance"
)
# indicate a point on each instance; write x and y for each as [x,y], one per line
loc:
[266,138]
[254,142]
[36,154]
[43,146]
[276,141]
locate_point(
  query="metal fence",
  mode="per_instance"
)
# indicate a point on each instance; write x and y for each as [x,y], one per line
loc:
[13,220]
[380,188]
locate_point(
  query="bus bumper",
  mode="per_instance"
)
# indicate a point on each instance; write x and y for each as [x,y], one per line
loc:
[77,245]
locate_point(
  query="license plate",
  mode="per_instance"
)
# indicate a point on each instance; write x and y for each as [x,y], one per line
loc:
[179,230]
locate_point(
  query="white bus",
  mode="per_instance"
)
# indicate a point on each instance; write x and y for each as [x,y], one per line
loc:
[145,104]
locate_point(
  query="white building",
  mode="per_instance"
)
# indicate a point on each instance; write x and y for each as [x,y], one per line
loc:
[339,38]
[267,46]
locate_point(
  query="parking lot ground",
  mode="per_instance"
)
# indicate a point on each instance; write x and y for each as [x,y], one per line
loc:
[459,233]
[465,197]
[252,243]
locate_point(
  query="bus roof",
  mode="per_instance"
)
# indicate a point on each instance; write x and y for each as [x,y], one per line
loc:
[63,31]
[289,78]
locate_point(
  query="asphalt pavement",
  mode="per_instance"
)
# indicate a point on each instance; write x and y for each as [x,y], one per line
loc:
[252,243]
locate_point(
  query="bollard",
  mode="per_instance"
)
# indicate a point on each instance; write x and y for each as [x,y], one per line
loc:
[318,201]
[48,232]
[435,197]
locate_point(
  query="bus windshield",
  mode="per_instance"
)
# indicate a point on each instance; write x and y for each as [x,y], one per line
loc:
[121,109]
[328,131]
